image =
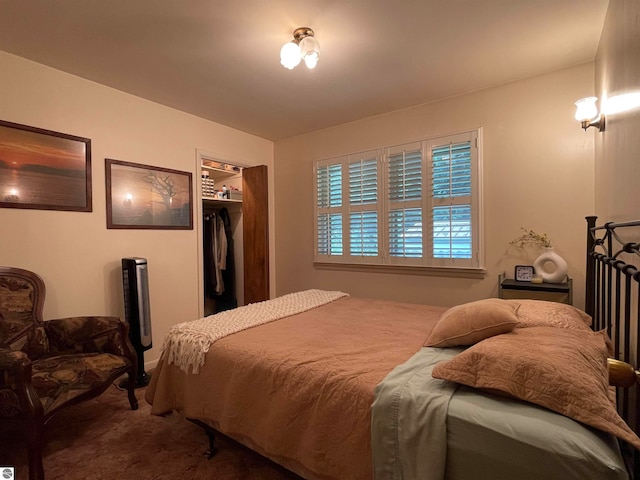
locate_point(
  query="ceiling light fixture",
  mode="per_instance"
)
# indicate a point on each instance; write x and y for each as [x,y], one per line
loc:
[304,46]
[587,113]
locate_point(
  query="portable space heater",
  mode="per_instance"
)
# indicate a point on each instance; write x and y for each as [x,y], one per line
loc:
[135,285]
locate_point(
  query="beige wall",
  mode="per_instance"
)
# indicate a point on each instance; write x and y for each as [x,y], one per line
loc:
[538,173]
[617,158]
[78,258]
[617,152]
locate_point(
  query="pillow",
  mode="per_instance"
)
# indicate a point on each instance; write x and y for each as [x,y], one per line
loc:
[564,370]
[469,323]
[539,313]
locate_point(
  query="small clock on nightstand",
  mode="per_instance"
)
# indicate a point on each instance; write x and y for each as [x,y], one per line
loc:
[524,273]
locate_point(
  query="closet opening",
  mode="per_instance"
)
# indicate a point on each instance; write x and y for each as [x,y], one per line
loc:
[233,241]
[219,257]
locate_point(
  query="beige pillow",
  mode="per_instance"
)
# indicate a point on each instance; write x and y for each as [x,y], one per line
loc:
[469,323]
[564,370]
[539,313]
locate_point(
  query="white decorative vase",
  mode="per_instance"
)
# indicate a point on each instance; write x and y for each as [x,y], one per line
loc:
[558,274]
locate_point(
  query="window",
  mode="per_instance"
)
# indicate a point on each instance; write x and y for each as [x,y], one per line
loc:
[413,205]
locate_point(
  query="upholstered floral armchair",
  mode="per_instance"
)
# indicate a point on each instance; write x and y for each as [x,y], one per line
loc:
[48,366]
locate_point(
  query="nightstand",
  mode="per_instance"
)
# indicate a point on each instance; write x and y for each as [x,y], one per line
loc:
[509,288]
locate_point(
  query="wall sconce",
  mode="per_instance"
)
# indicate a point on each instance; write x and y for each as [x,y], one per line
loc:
[304,46]
[587,113]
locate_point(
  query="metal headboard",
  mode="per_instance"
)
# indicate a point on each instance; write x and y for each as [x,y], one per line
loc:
[612,298]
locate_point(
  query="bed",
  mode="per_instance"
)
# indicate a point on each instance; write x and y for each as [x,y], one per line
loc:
[345,388]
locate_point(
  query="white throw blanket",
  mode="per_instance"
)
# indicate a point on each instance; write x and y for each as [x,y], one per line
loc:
[187,343]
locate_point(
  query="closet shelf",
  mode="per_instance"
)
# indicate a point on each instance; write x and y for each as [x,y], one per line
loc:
[220,170]
[220,200]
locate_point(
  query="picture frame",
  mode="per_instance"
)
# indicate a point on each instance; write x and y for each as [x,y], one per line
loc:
[44,170]
[147,197]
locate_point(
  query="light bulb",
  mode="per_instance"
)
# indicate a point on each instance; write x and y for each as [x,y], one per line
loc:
[310,51]
[290,55]
[586,109]
[311,60]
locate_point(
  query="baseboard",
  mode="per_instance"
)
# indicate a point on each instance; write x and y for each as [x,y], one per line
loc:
[148,366]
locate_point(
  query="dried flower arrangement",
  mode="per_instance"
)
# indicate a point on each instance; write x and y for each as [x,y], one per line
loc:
[531,237]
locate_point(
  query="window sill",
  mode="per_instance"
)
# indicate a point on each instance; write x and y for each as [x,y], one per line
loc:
[405,270]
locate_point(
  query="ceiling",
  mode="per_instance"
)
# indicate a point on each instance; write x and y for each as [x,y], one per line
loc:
[219,59]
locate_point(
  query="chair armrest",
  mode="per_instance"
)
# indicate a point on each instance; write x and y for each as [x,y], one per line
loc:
[17,367]
[88,335]
[11,359]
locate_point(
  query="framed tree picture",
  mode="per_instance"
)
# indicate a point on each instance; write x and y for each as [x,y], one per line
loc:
[44,170]
[147,197]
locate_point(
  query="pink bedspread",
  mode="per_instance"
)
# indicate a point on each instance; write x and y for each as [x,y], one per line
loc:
[299,390]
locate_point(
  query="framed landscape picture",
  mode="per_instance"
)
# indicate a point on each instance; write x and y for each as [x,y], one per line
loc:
[42,169]
[147,197]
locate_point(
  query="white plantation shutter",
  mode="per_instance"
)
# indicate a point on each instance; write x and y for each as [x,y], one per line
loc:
[329,205]
[417,205]
[452,236]
[363,234]
[452,161]
[405,174]
[329,183]
[330,234]
[405,233]
[364,205]
[363,181]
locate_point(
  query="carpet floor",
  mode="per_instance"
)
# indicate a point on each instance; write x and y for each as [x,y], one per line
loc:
[104,439]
